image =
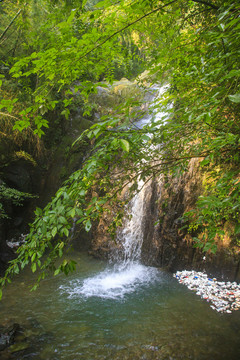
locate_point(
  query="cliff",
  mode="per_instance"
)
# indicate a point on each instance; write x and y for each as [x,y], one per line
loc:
[165,243]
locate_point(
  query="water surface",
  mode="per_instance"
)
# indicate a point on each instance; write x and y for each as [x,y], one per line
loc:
[98,313]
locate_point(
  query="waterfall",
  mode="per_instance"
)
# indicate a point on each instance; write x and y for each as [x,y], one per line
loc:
[125,273]
[130,236]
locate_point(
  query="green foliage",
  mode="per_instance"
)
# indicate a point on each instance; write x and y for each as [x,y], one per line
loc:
[219,205]
[14,196]
[206,122]
[194,45]
[54,47]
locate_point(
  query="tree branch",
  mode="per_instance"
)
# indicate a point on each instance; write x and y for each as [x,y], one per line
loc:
[126,27]
[11,116]
[10,24]
[207,3]
[114,34]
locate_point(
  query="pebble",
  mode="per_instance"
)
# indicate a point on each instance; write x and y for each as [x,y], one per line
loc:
[223,296]
[15,243]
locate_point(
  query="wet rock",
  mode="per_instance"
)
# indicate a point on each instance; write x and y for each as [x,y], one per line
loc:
[16,242]
[18,176]
[20,346]
[17,342]
[169,246]
[165,243]
[18,221]
[6,254]
[7,335]
[23,176]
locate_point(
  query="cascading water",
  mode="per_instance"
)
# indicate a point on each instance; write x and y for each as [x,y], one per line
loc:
[126,274]
[130,237]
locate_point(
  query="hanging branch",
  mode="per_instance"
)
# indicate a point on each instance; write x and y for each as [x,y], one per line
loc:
[10,24]
[124,28]
[99,45]
[141,18]
[207,3]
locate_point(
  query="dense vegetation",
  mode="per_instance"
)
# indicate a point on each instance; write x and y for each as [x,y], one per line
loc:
[51,50]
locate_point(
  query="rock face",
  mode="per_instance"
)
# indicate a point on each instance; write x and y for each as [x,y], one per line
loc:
[167,245]
[7,335]
[164,243]
[41,179]
[22,341]
[23,176]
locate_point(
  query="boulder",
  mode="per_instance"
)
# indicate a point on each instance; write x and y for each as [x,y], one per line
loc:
[7,335]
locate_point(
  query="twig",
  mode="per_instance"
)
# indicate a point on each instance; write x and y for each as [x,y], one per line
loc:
[10,24]
[116,33]
[11,116]
[207,3]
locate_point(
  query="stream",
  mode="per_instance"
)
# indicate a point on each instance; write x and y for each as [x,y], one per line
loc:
[117,310]
[97,313]
[120,310]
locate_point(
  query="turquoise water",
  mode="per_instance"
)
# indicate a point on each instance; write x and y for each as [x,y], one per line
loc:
[99,313]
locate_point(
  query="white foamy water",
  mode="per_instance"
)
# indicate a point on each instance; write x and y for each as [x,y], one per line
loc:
[130,237]
[155,114]
[112,283]
[127,275]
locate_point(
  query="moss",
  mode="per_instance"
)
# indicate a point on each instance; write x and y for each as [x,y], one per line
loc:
[79,124]
[18,347]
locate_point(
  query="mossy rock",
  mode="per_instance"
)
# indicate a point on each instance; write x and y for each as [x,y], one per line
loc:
[79,124]
[127,91]
[116,94]
[18,347]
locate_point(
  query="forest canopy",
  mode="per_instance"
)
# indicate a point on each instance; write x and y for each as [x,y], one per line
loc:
[51,50]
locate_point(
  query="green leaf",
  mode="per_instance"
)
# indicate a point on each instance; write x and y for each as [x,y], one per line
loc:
[64,263]
[97,132]
[205,162]
[34,267]
[235,98]
[72,212]
[57,271]
[237,229]
[38,211]
[66,232]
[88,225]
[54,231]
[146,137]
[124,145]
[33,257]
[34,287]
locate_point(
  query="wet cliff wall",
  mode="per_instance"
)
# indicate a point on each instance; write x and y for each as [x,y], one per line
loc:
[40,176]
[165,243]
